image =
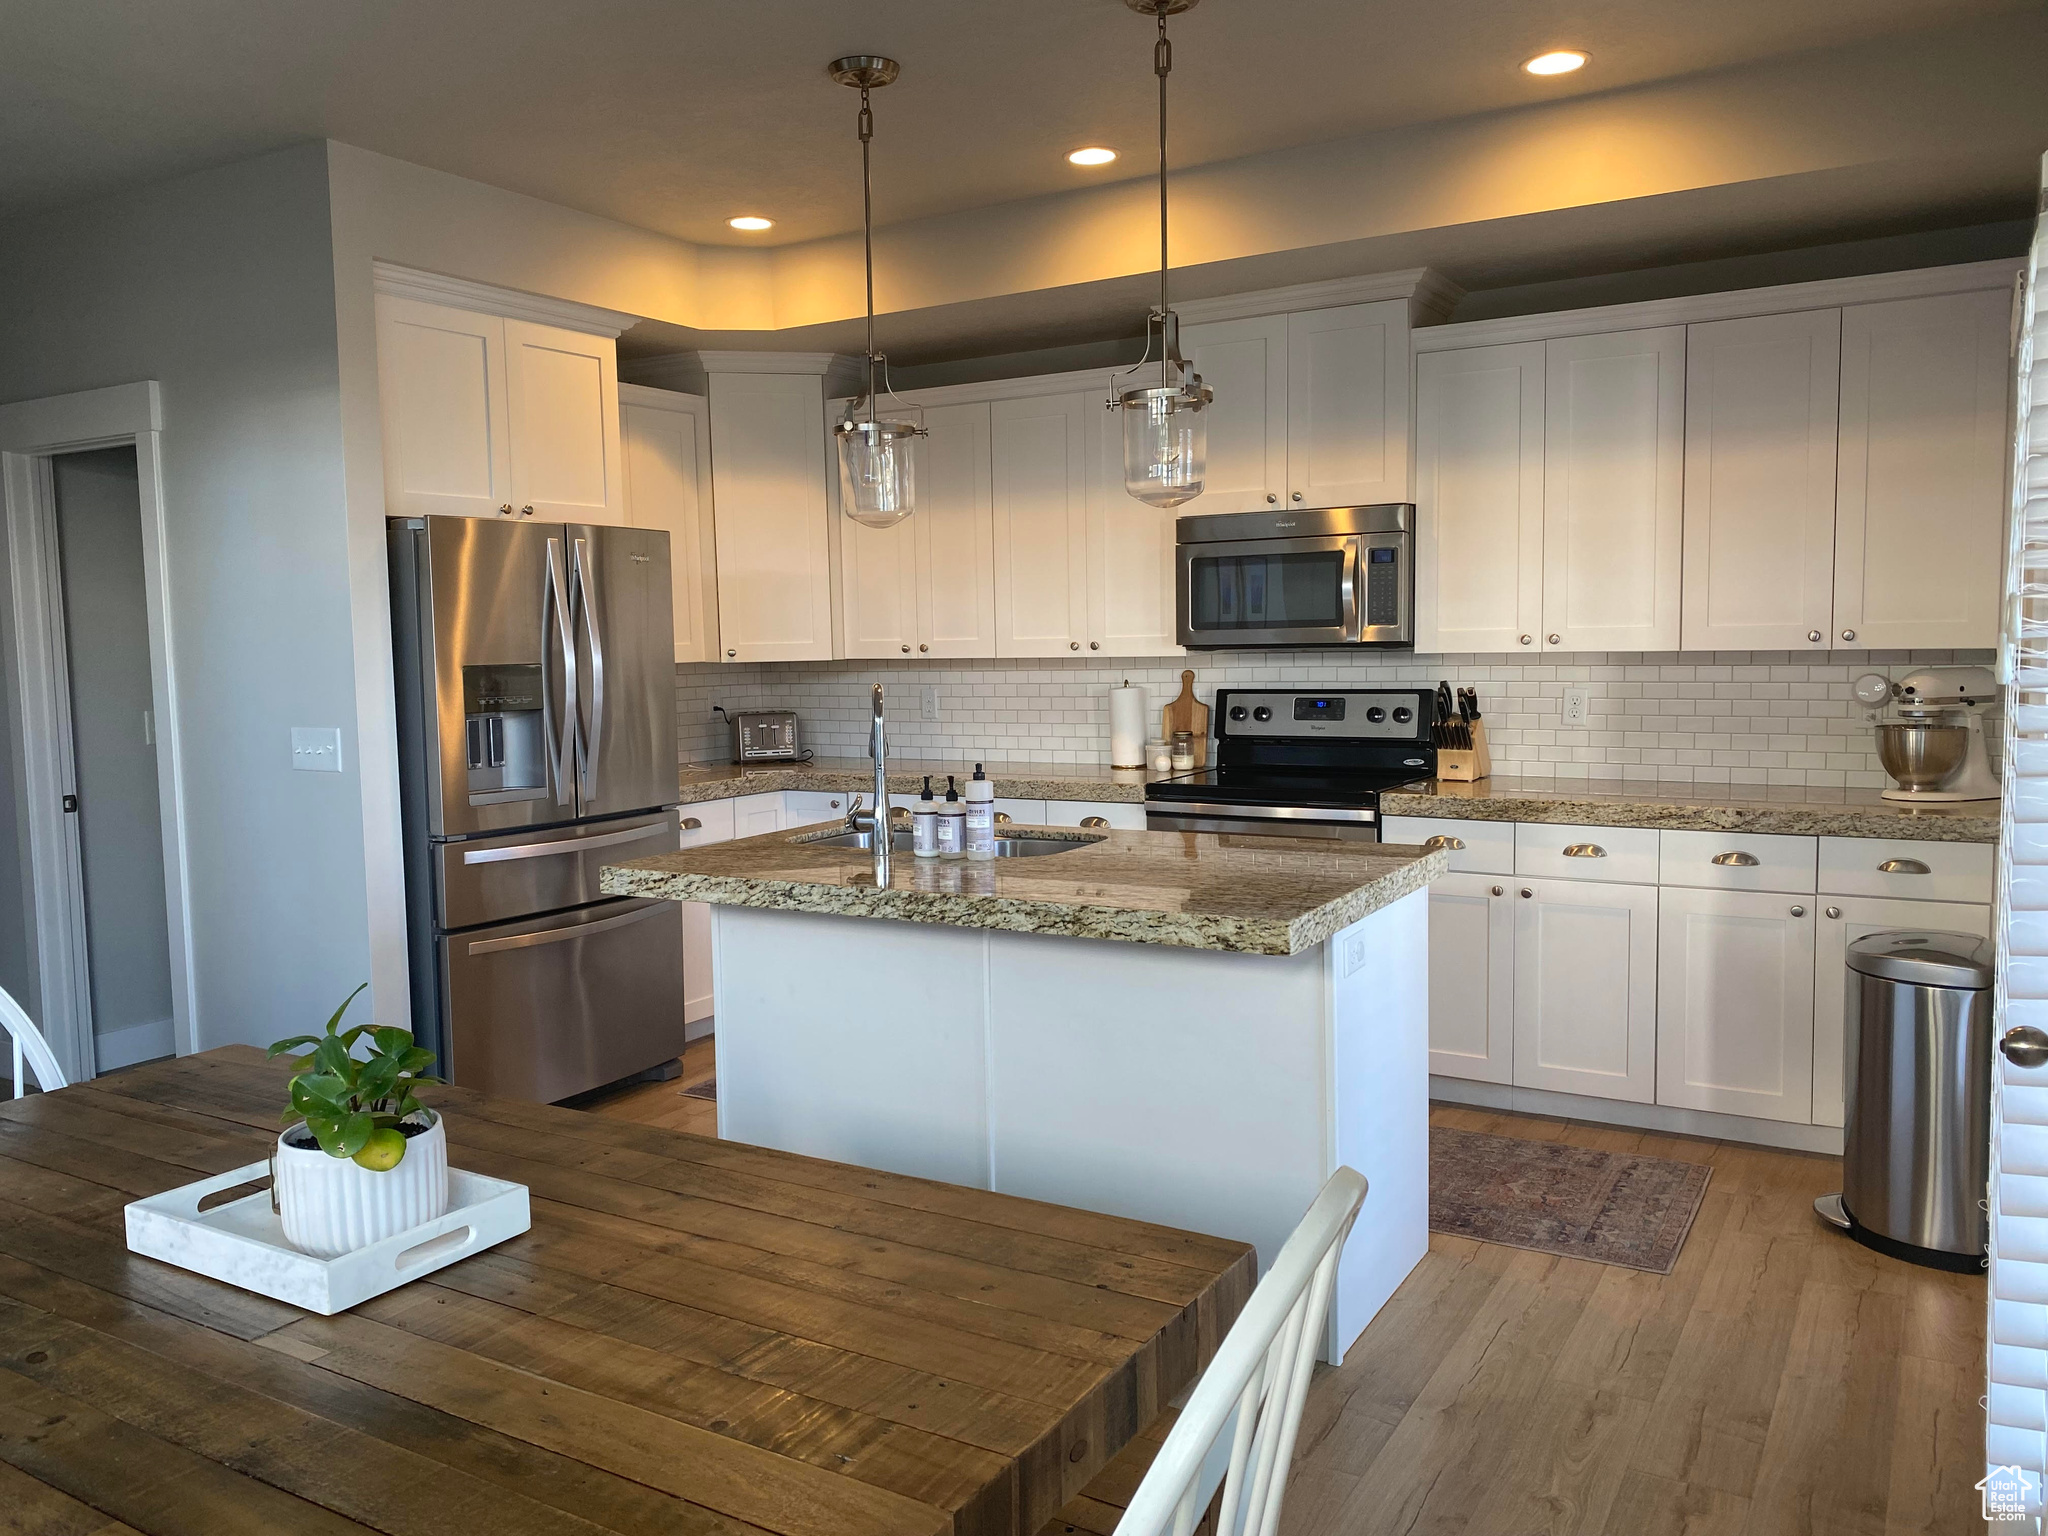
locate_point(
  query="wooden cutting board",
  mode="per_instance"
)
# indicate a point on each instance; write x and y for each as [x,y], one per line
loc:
[1186,713]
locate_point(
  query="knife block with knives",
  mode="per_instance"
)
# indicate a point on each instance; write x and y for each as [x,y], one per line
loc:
[1460,734]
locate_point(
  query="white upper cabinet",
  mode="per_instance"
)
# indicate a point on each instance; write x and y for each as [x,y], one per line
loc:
[1760,408]
[1347,405]
[1919,521]
[1479,498]
[666,443]
[1613,490]
[774,549]
[1245,362]
[563,388]
[1039,463]
[1130,558]
[447,424]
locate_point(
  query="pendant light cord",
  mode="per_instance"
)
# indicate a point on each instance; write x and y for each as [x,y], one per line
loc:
[1162,66]
[867,222]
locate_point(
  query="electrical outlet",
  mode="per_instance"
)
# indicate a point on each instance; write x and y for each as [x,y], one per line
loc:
[316,749]
[1354,952]
[929,704]
[1577,705]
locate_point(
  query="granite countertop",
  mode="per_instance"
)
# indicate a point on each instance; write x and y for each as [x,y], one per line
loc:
[1188,890]
[1013,781]
[1795,810]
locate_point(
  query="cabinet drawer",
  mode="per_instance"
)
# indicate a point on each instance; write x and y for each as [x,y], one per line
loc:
[710,822]
[1879,866]
[802,807]
[1026,813]
[1489,846]
[1628,854]
[1072,813]
[1736,861]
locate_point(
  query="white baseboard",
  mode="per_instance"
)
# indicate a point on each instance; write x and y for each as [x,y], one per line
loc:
[1639,1117]
[696,1029]
[137,1042]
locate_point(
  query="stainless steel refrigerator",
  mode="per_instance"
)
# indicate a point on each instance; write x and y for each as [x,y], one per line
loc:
[537,742]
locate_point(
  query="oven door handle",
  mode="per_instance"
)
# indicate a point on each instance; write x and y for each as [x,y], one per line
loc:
[1259,812]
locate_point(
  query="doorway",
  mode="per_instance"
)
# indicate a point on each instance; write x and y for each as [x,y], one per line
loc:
[113,803]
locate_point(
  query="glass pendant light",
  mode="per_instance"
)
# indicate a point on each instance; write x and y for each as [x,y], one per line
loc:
[1166,426]
[878,485]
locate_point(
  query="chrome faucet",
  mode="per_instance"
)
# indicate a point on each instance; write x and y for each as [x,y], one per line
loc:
[880,838]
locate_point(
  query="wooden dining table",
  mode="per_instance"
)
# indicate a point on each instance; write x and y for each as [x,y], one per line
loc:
[696,1336]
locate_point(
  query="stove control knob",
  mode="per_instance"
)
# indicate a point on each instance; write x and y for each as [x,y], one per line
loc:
[1237,711]
[1375,714]
[1403,714]
[1262,713]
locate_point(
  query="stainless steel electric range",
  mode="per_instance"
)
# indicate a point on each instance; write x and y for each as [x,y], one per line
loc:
[1308,764]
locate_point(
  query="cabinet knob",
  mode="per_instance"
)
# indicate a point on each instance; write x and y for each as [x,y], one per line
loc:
[1903,867]
[505,510]
[526,511]
[1500,890]
[1271,497]
[1737,859]
[2024,1046]
[1094,821]
[1553,639]
[1297,495]
[906,650]
[1813,635]
[1848,634]
[1799,911]
[1073,645]
[1094,645]
[732,653]
[1528,639]
[923,647]
[1527,893]
[1834,911]
[692,824]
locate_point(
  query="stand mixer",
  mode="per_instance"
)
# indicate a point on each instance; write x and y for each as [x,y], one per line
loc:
[1930,732]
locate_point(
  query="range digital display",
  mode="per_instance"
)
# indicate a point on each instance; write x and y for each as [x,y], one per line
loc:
[1318,709]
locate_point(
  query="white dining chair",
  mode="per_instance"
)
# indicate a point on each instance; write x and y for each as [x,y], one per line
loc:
[29,1044]
[1259,1380]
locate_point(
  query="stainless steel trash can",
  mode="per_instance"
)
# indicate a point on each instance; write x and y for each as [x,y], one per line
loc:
[1917,1093]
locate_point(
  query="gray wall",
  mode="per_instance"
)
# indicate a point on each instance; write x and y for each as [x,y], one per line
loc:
[221,286]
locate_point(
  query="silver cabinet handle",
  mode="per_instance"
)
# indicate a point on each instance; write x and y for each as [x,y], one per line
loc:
[1834,911]
[1553,639]
[1848,634]
[1585,851]
[2024,1046]
[1455,844]
[906,650]
[692,824]
[923,647]
[1527,893]
[1528,639]
[899,815]
[1002,818]
[1799,911]
[730,654]
[1737,859]
[1094,645]
[519,851]
[1813,634]
[1297,495]
[505,510]
[1500,890]
[1094,821]
[1073,645]
[1903,867]
[526,511]
[1271,497]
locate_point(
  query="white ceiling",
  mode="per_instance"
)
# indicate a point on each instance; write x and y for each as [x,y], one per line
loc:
[674,114]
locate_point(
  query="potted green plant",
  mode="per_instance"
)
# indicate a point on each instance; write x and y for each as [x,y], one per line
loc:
[360,1159]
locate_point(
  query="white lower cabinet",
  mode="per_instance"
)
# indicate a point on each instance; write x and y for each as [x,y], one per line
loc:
[1844,920]
[1586,988]
[1472,978]
[1122,815]
[710,822]
[1735,984]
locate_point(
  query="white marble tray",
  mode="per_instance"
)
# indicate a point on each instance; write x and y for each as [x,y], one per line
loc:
[243,1242]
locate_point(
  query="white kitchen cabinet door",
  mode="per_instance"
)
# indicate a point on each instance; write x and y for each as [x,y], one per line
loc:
[1347,405]
[665,440]
[1836,990]
[704,824]
[1472,977]
[1613,490]
[1131,566]
[563,387]
[1760,404]
[447,423]
[1479,498]
[1735,1002]
[1586,988]
[955,573]
[879,585]
[1039,459]
[1920,517]
[1245,362]
[754,814]
[774,549]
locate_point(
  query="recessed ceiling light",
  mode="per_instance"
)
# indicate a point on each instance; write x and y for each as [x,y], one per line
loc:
[1093,155]
[751,221]
[1561,61]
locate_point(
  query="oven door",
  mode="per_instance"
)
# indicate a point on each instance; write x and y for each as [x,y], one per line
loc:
[1352,824]
[1270,592]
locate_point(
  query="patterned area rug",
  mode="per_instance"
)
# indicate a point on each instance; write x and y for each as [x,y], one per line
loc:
[708,1089]
[1611,1207]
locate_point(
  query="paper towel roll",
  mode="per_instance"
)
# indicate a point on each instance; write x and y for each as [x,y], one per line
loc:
[1127,727]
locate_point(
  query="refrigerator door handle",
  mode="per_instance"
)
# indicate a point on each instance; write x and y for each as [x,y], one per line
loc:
[586,603]
[562,845]
[562,935]
[554,630]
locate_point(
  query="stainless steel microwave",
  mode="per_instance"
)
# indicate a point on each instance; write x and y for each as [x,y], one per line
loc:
[1326,576]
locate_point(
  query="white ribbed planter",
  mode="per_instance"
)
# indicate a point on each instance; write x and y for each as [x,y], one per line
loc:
[331,1206]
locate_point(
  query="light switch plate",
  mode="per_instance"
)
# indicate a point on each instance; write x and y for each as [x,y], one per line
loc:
[316,748]
[1577,705]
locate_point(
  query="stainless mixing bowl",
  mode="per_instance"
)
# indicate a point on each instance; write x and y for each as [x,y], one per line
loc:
[1919,754]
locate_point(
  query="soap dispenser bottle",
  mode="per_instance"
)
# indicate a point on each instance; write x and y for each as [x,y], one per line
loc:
[981,817]
[924,824]
[952,818]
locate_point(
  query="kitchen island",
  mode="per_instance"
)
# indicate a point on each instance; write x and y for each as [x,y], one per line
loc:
[1186,1028]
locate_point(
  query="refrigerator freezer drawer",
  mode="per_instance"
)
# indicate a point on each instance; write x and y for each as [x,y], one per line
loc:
[553,1006]
[497,879]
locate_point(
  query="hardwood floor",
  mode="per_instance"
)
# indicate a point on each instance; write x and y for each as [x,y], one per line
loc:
[1780,1380]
